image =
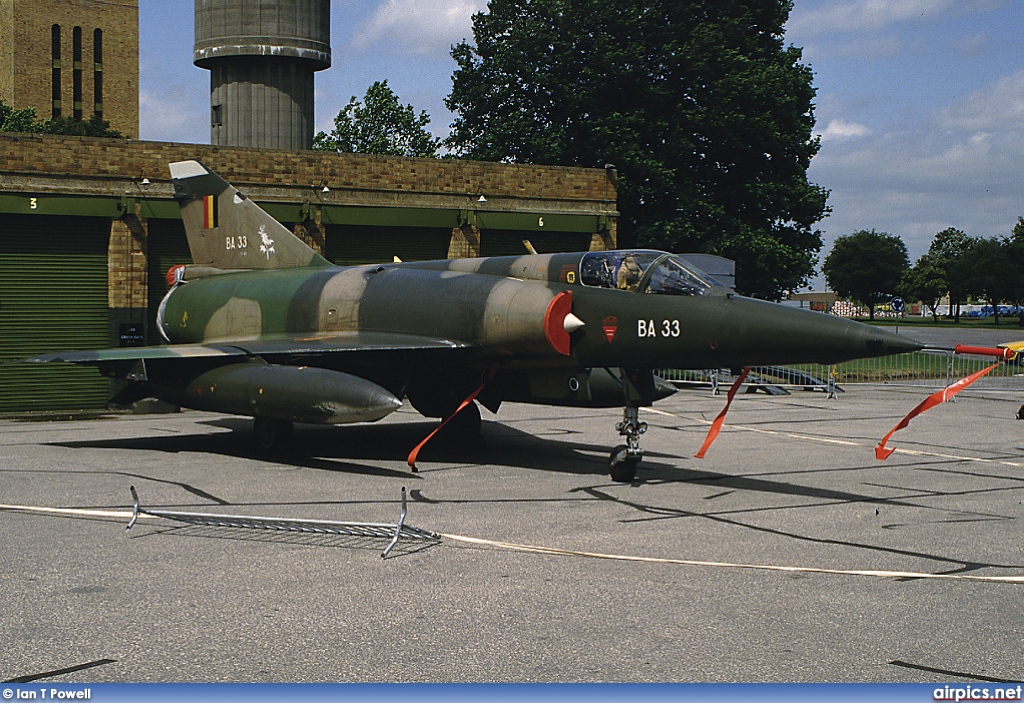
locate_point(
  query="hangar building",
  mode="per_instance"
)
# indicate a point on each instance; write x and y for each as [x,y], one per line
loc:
[88,227]
[88,230]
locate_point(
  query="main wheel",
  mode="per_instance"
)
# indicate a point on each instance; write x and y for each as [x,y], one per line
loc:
[272,435]
[622,465]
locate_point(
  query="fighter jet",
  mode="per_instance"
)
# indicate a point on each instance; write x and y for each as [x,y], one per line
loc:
[261,325]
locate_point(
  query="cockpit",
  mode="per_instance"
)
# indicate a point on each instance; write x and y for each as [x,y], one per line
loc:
[642,270]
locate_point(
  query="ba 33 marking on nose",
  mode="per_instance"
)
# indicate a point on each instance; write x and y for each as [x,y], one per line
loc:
[655,328]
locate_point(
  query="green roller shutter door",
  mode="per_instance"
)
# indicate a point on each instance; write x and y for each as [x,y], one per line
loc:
[496,242]
[53,297]
[168,247]
[371,244]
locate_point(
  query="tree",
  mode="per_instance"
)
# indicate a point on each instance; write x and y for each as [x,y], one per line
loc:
[24,120]
[12,120]
[705,114]
[866,266]
[991,275]
[379,125]
[950,250]
[95,126]
[926,282]
[1015,254]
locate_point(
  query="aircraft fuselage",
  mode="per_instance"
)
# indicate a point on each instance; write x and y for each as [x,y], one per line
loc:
[501,309]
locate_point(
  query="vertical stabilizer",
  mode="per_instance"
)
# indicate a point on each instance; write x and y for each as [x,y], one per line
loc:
[228,231]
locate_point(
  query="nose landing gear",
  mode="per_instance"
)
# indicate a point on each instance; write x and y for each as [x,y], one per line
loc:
[639,387]
[625,457]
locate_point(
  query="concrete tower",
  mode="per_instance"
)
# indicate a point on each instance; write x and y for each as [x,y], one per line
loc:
[262,55]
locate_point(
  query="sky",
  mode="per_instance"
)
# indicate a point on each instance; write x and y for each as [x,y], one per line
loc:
[920,103]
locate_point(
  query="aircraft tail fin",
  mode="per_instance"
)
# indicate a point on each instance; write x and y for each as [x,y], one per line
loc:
[228,231]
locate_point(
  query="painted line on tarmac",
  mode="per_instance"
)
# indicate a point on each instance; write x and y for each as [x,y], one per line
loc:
[729,565]
[535,549]
[843,442]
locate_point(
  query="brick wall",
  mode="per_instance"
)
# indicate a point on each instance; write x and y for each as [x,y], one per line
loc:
[93,161]
[127,270]
[26,58]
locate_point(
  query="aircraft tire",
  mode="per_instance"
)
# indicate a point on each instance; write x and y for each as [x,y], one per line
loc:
[272,435]
[622,466]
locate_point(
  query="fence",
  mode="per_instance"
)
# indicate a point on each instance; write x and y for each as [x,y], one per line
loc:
[927,368]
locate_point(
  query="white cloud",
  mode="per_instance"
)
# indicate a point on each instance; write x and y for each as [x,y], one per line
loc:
[996,108]
[843,130]
[829,17]
[972,46]
[418,27]
[960,168]
[181,115]
[861,15]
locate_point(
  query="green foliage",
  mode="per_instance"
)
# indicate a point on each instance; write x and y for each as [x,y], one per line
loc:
[703,111]
[95,126]
[926,282]
[24,120]
[968,267]
[379,125]
[12,120]
[867,266]
[1015,261]
[990,274]
[950,250]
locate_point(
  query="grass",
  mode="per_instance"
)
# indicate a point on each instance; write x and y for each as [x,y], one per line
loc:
[977,323]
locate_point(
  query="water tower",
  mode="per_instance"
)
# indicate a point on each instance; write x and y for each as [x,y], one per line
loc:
[262,56]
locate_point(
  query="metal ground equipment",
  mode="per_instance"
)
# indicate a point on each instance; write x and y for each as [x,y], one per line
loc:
[394,532]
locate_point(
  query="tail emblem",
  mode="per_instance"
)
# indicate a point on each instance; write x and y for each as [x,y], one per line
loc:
[267,245]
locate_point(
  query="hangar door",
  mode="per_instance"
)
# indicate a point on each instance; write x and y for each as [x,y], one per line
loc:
[168,246]
[372,244]
[496,242]
[53,297]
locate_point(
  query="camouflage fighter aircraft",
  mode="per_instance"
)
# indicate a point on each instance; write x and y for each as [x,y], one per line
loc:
[261,325]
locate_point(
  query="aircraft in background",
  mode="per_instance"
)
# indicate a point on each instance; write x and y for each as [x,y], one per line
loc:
[263,326]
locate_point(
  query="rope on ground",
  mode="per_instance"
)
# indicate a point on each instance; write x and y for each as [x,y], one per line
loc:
[728,565]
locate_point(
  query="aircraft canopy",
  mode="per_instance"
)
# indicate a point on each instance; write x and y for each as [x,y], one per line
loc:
[635,270]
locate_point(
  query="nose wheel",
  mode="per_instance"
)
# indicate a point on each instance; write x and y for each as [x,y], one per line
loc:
[625,457]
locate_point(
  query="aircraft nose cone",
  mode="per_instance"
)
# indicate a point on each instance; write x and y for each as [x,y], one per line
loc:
[885,342]
[774,334]
[837,339]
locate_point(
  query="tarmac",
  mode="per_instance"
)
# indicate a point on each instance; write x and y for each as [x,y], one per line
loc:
[788,554]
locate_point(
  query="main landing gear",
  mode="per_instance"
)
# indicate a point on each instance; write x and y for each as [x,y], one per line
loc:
[625,457]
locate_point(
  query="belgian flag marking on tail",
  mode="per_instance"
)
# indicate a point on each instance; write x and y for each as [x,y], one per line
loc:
[209,211]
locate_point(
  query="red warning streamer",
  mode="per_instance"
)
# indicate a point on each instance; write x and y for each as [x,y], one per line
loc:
[937,398]
[411,461]
[716,426]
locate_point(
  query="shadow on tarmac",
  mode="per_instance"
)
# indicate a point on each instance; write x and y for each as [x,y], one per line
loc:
[345,448]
